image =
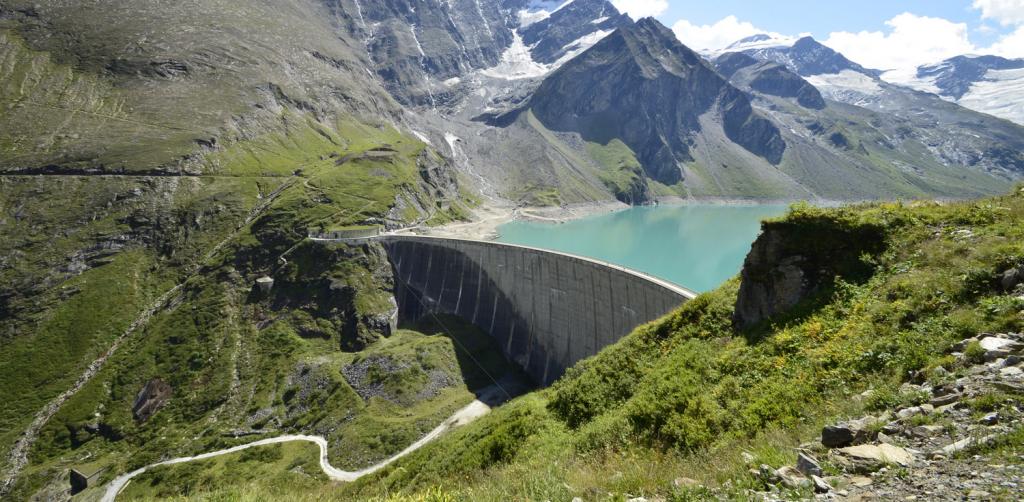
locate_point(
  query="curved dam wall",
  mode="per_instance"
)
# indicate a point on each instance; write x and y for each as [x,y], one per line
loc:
[547,310]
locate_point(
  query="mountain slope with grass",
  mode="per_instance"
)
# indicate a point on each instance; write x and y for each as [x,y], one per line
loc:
[686,406]
[150,171]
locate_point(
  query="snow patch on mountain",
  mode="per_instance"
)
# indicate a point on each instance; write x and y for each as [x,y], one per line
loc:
[847,86]
[1001,93]
[755,42]
[517,63]
[907,77]
[577,47]
[539,10]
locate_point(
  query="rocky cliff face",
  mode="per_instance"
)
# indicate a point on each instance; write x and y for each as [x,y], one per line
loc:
[768,78]
[642,86]
[416,45]
[793,261]
[559,35]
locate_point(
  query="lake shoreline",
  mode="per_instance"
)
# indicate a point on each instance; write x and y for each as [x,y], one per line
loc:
[487,219]
[695,245]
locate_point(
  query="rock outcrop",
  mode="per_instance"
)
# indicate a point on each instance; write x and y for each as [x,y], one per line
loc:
[558,35]
[794,260]
[153,396]
[769,78]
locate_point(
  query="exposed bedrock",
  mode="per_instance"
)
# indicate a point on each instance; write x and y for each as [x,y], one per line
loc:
[547,310]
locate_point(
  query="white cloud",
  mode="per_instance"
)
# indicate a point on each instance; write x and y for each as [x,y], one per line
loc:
[1009,46]
[638,9]
[711,37]
[910,41]
[1007,12]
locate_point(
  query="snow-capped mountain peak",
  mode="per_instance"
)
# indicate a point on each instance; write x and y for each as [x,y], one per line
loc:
[988,84]
[760,41]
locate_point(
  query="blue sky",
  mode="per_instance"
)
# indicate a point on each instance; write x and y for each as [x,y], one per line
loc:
[820,17]
[887,35]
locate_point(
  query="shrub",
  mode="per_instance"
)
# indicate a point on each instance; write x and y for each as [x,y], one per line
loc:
[974,353]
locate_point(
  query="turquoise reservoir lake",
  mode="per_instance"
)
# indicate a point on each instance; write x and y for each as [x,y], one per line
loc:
[694,246]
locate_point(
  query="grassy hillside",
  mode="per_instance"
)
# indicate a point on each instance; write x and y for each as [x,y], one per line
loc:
[217,340]
[684,396]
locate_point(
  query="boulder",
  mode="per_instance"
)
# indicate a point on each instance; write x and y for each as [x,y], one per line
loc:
[962,444]
[792,478]
[906,413]
[1012,371]
[946,399]
[874,456]
[990,343]
[820,485]
[848,433]
[1011,278]
[808,465]
[927,431]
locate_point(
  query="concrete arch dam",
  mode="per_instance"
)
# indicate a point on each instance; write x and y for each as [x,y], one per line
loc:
[547,310]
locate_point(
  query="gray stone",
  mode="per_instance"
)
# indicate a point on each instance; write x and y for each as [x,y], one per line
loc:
[906,413]
[792,478]
[878,455]
[1011,278]
[1012,371]
[990,343]
[820,485]
[995,355]
[847,433]
[962,445]
[808,465]
[943,400]
[927,431]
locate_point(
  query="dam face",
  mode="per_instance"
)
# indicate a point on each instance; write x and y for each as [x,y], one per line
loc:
[547,310]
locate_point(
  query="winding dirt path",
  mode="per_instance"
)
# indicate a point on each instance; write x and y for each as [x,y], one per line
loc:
[471,412]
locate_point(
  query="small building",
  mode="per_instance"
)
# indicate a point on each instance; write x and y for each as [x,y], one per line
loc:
[265,284]
[81,478]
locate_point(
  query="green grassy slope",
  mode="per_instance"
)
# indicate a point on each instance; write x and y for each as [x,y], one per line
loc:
[216,343]
[167,83]
[683,396]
